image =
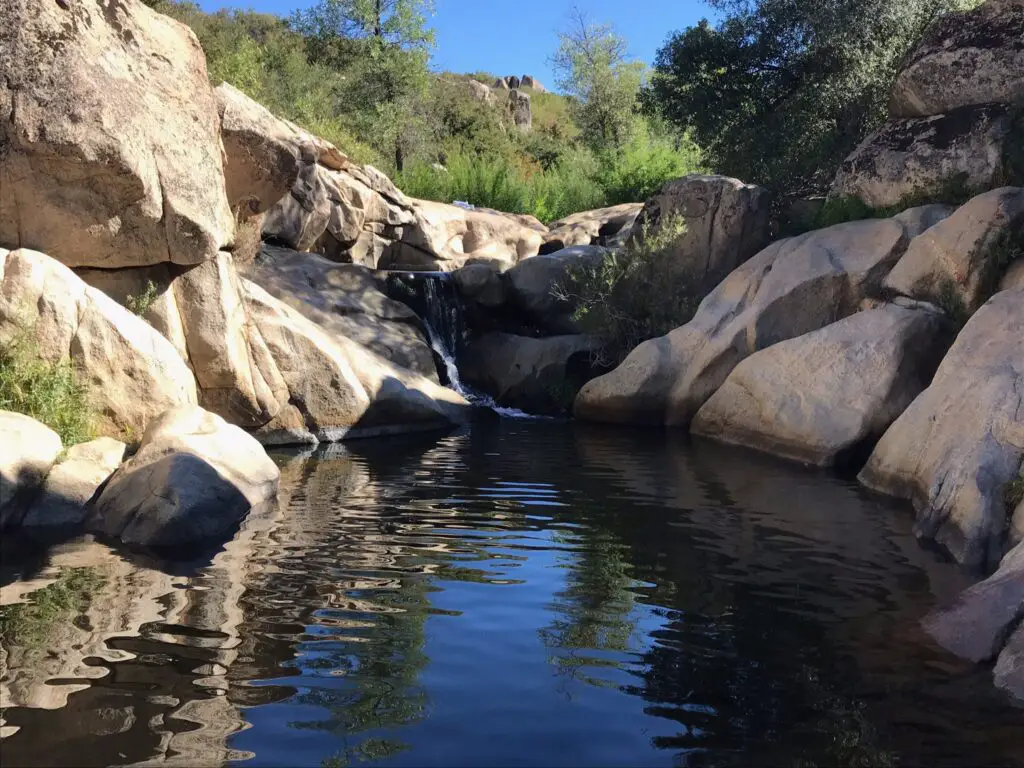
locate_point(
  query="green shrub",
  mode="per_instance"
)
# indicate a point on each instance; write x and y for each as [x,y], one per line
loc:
[634,294]
[141,304]
[48,392]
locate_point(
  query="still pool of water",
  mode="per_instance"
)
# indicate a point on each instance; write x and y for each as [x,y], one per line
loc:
[520,593]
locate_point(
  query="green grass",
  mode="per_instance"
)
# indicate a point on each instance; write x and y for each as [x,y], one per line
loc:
[30,625]
[1013,494]
[48,392]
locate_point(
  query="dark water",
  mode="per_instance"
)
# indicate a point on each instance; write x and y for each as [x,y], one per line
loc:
[521,594]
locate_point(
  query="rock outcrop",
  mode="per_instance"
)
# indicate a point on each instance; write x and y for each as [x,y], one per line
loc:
[959,444]
[539,376]
[964,59]
[132,372]
[726,223]
[792,287]
[520,110]
[193,479]
[73,484]
[446,237]
[537,287]
[27,452]
[820,398]
[963,258]
[345,300]
[337,388]
[950,113]
[603,226]
[110,149]
[984,624]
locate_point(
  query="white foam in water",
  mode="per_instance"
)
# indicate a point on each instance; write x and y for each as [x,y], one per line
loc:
[455,381]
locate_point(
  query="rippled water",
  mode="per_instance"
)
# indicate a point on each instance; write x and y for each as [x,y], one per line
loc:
[525,593]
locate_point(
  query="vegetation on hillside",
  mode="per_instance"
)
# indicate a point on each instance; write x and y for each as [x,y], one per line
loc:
[356,72]
[780,91]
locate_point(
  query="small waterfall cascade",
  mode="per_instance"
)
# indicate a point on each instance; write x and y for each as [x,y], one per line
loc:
[433,296]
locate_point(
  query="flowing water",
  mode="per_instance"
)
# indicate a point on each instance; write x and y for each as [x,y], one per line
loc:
[518,593]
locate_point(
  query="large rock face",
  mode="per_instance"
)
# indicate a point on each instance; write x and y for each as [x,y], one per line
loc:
[446,237]
[73,483]
[345,301]
[536,286]
[520,110]
[984,623]
[726,223]
[27,452]
[261,152]
[919,155]
[200,309]
[964,255]
[820,397]
[602,226]
[337,388]
[954,450]
[538,376]
[965,59]
[132,372]
[110,150]
[194,478]
[792,287]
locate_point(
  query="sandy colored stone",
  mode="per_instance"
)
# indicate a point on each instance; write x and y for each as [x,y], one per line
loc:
[262,155]
[726,223]
[954,450]
[112,151]
[591,227]
[194,478]
[963,254]
[820,397]
[535,286]
[446,237]
[27,452]
[1014,277]
[132,372]
[73,483]
[345,300]
[341,389]
[792,287]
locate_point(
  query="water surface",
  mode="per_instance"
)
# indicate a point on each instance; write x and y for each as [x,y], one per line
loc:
[521,593]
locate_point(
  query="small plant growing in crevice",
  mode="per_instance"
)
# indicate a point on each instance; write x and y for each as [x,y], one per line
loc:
[49,392]
[952,304]
[951,190]
[1013,494]
[141,304]
[634,294]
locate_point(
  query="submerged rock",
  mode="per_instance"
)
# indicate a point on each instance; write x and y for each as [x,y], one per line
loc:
[27,451]
[194,478]
[821,397]
[111,137]
[792,287]
[959,444]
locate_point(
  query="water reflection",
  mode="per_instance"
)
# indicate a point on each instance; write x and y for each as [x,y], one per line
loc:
[521,594]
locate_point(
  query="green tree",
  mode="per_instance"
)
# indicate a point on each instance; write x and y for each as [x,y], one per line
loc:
[780,91]
[384,47]
[592,66]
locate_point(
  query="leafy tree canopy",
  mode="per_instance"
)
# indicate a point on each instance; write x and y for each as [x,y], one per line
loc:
[780,91]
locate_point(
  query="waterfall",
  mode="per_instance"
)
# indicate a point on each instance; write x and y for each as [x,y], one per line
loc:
[433,296]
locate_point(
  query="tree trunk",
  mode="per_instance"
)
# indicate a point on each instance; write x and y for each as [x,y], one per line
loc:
[378,27]
[399,158]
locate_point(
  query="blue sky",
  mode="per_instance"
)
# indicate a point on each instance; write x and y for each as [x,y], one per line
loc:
[516,37]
